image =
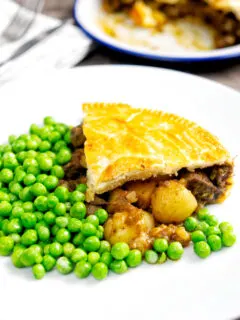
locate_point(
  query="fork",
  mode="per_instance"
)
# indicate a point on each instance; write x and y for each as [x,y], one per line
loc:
[22,20]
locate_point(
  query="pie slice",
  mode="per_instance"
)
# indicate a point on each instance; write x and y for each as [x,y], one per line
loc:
[125,144]
[223,16]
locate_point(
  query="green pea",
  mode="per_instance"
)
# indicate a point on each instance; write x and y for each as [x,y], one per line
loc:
[59,145]
[203,226]
[10,161]
[100,271]
[62,222]
[119,266]
[214,242]
[44,146]
[29,237]
[62,193]
[81,187]
[100,232]
[28,206]
[6,175]
[57,171]
[43,233]
[32,145]
[175,250]
[39,215]
[77,196]
[45,163]
[78,210]
[55,249]
[120,250]
[151,256]
[92,219]
[19,176]
[25,194]
[38,248]
[15,257]
[41,203]
[32,154]
[197,236]
[51,182]
[16,188]
[12,138]
[33,170]
[225,226]
[5,209]
[79,239]
[29,162]
[134,258]
[68,249]
[12,197]
[6,246]
[38,271]
[5,223]
[52,201]
[104,246]
[41,178]
[34,129]
[61,128]
[30,256]
[48,120]
[38,189]
[4,196]
[60,209]
[202,249]
[91,243]
[88,229]
[106,258]
[21,156]
[64,156]
[29,219]
[54,230]
[63,235]
[228,238]
[93,257]
[213,230]
[14,226]
[49,217]
[2,233]
[67,137]
[48,262]
[82,269]
[29,179]
[202,213]
[78,255]
[102,215]
[18,145]
[74,225]
[211,220]
[17,212]
[54,137]
[190,224]
[160,245]
[64,265]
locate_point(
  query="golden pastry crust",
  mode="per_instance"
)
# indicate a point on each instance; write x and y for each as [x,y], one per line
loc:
[124,144]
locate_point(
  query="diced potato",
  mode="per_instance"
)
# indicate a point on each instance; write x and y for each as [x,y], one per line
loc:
[144,191]
[172,202]
[130,227]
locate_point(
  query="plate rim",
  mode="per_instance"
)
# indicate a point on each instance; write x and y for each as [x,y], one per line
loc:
[154,57]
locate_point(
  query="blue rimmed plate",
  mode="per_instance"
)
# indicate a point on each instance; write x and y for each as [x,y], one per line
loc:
[146,44]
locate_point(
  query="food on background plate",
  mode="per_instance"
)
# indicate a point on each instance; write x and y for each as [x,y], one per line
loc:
[146,176]
[222,16]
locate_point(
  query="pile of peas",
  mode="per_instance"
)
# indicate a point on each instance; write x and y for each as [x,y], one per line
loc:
[207,234]
[42,224]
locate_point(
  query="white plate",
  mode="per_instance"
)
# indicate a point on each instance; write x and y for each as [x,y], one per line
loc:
[87,13]
[188,289]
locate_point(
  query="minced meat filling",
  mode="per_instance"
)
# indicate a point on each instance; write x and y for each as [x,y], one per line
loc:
[226,25]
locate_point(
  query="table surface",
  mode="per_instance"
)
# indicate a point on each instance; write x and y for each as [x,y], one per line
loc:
[225,73]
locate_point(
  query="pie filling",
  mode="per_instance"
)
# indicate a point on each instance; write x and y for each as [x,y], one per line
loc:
[143,210]
[155,13]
